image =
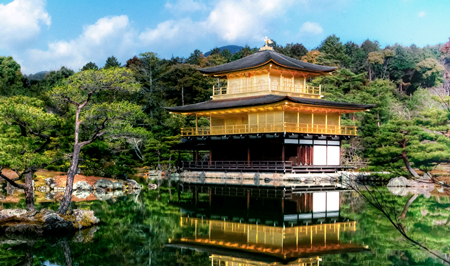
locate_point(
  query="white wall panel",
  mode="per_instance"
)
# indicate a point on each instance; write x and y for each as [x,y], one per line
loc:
[319,201]
[333,155]
[332,201]
[320,155]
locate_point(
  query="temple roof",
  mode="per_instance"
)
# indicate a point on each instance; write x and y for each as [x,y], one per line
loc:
[262,100]
[261,58]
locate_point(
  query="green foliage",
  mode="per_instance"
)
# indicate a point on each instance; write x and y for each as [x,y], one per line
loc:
[110,62]
[430,70]
[11,79]
[107,110]
[90,66]
[25,130]
[332,52]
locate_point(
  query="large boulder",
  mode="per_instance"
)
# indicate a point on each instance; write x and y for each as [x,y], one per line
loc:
[132,184]
[152,186]
[13,212]
[104,184]
[118,193]
[82,194]
[55,223]
[84,218]
[401,182]
[24,229]
[50,182]
[82,185]
[43,189]
[101,194]
[118,186]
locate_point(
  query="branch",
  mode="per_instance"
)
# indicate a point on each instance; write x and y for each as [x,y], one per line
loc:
[87,100]
[396,223]
[66,99]
[11,181]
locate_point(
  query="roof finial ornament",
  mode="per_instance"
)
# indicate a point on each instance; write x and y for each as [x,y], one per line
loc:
[266,46]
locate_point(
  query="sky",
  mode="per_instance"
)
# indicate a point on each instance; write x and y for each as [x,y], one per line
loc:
[46,35]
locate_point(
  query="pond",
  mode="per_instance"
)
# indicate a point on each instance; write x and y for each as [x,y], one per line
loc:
[233,223]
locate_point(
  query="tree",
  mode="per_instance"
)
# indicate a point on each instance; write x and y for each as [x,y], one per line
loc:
[11,79]
[101,111]
[311,57]
[26,130]
[226,54]
[90,66]
[369,46]
[357,58]
[374,58]
[297,50]
[430,70]
[111,62]
[332,52]
[195,58]
[409,141]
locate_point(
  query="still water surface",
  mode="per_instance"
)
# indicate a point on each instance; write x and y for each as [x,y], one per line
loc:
[248,225]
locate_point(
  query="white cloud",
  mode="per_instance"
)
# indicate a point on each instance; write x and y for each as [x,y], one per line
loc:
[421,14]
[311,28]
[228,20]
[185,6]
[108,36]
[232,20]
[21,21]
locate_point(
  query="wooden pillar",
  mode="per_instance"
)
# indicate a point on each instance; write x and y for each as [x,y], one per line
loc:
[194,196]
[196,124]
[196,154]
[210,198]
[298,207]
[282,207]
[307,151]
[311,155]
[248,204]
[210,152]
[248,152]
[298,155]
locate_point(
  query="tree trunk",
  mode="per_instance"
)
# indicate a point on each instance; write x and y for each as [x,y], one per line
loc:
[29,191]
[405,209]
[406,161]
[67,252]
[67,198]
[408,166]
[370,73]
[378,118]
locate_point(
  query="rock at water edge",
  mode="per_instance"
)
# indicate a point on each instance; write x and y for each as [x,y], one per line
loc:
[104,184]
[82,185]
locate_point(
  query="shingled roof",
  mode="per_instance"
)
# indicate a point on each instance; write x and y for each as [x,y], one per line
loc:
[262,100]
[261,58]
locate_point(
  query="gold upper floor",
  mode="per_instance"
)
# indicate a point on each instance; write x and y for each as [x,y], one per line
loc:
[267,79]
[272,118]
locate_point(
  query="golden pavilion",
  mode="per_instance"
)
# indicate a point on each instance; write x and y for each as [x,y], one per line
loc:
[266,117]
[265,225]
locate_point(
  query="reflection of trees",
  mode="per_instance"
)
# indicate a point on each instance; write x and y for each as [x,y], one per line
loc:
[389,206]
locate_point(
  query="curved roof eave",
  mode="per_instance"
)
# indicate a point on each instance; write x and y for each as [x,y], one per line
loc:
[262,58]
[263,100]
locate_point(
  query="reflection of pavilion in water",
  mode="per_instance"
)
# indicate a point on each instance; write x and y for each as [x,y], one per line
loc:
[245,225]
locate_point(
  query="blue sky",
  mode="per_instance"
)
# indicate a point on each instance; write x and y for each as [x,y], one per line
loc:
[45,35]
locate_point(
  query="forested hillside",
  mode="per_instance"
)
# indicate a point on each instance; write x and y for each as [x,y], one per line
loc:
[408,129]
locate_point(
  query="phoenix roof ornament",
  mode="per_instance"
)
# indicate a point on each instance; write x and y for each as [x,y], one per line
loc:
[266,46]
